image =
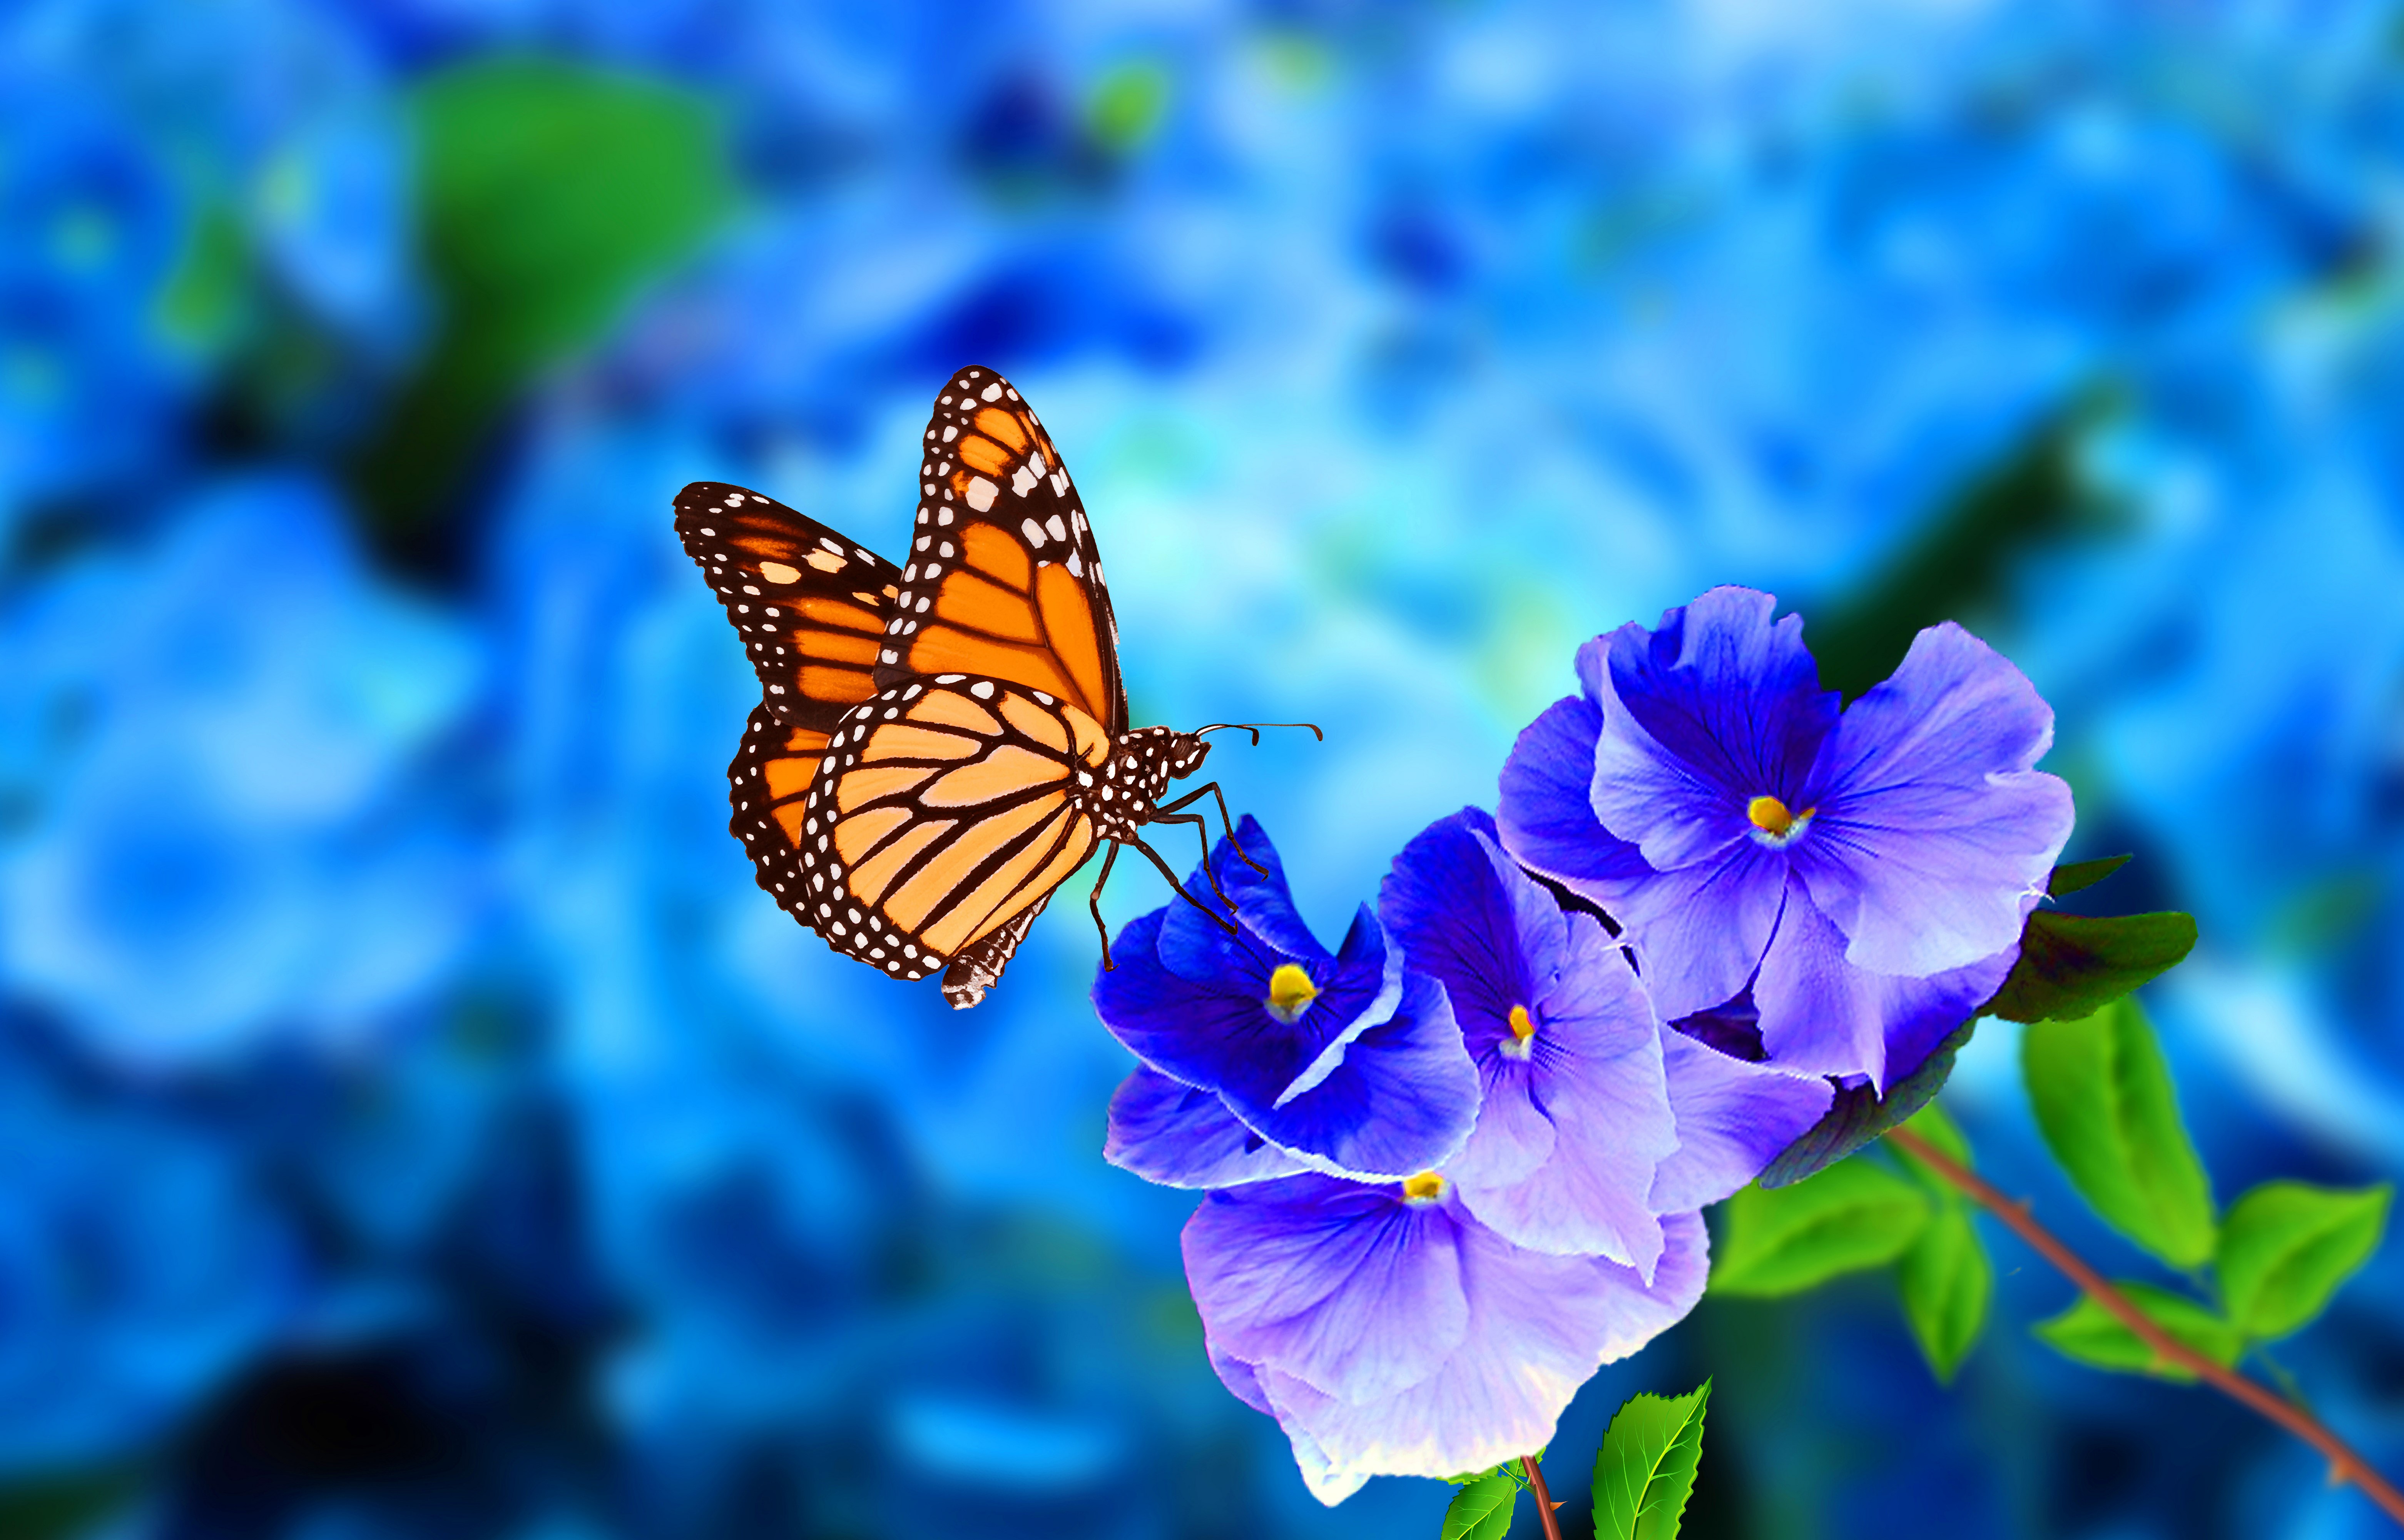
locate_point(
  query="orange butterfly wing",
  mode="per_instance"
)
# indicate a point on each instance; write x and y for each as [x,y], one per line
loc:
[811,605]
[929,829]
[1002,579]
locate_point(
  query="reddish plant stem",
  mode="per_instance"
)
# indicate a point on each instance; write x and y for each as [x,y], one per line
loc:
[2344,1464]
[1544,1503]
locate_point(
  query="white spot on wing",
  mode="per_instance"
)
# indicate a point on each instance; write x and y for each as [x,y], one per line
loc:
[981,493]
[1033,531]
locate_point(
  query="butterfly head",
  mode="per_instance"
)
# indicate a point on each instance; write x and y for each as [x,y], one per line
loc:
[1151,757]
[1184,754]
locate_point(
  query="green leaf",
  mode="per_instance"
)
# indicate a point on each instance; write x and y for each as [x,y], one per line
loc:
[1645,1472]
[1945,1280]
[2103,1101]
[2285,1247]
[2093,1335]
[548,192]
[2075,964]
[1859,1116]
[2081,875]
[1850,1216]
[1482,1509]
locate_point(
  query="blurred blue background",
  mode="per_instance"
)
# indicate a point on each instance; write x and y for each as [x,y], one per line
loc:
[415,1122]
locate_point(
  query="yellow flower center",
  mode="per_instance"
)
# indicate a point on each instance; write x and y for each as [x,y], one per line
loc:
[1426,1187]
[1523,1031]
[1771,817]
[1289,992]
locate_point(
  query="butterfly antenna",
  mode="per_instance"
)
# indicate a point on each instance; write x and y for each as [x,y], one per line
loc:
[1255,729]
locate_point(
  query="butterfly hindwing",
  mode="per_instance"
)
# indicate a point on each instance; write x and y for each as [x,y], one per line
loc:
[812,606]
[775,769]
[1002,579]
[941,816]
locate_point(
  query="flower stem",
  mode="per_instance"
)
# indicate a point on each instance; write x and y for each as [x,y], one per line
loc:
[2344,1464]
[1544,1503]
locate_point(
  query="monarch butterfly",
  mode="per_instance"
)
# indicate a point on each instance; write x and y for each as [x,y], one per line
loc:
[939,746]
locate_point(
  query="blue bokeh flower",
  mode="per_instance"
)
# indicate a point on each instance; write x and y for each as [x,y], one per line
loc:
[233,824]
[1374,346]
[141,1268]
[1864,876]
[90,383]
[1348,1058]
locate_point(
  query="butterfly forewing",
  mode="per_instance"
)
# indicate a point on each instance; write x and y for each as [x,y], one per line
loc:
[812,606]
[1002,579]
[932,825]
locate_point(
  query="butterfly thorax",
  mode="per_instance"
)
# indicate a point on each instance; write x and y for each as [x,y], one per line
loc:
[1127,787]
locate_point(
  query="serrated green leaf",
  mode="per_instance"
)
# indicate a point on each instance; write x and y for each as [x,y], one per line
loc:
[1945,1280]
[2093,1335]
[1645,1470]
[2074,965]
[2103,1101]
[1859,1116]
[1482,1509]
[1853,1215]
[2081,875]
[2287,1246]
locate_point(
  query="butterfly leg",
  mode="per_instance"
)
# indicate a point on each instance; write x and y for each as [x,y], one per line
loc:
[1226,822]
[1153,856]
[1095,902]
[1202,831]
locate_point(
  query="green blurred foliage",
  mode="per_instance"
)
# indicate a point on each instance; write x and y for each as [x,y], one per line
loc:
[548,192]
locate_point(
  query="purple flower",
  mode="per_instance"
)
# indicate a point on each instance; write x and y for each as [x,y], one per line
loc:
[1586,1137]
[1389,1332]
[1346,1060]
[1441,1324]
[1862,874]
[1182,1136]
